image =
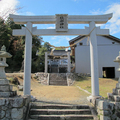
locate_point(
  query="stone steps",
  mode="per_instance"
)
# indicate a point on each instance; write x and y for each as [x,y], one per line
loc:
[58,79]
[59,82]
[39,105]
[57,76]
[59,112]
[61,117]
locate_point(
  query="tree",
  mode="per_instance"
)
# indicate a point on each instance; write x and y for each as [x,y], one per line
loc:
[46,45]
[15,45]
[39,63]
[4,34]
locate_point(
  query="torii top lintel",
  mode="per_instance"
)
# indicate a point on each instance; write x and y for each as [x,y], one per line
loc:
[72,19]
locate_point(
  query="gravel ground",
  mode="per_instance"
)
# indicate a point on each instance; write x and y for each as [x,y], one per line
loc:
[60,94]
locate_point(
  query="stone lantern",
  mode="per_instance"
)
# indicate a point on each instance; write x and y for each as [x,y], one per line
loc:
[3,64]
[5,88]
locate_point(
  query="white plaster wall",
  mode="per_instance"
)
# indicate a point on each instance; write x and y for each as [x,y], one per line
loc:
[82,59]
[107,52]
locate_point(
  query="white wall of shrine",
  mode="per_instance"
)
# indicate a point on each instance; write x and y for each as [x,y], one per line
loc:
[107,52]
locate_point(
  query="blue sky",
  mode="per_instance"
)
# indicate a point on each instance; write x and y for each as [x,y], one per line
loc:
[70,7]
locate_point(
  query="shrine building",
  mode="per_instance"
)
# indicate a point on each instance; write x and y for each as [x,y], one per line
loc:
[108,49]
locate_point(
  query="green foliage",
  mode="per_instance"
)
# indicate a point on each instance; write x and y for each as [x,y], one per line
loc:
[4,34]
[39,63]
[46,45]
[15,46]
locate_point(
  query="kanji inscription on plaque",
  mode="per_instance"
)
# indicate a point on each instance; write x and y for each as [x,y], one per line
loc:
[61,22]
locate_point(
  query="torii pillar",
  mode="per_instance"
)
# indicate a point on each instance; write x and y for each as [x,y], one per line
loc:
[94,60]
[27,60]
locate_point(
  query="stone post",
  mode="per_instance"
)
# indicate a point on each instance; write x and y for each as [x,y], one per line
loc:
[94,60]
[27,60]
[46,63]
[69,64]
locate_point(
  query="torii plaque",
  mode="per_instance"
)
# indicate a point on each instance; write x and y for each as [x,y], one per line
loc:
[62,21]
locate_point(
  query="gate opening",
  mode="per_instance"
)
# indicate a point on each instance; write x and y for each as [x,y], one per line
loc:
[108,72]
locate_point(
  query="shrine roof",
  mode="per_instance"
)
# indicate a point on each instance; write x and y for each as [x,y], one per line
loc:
[80,37]
[59,52]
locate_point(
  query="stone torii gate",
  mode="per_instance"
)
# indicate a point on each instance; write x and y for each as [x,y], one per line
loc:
[61,21]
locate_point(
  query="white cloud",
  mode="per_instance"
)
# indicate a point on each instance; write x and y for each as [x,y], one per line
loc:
[96,12]
[60,40]
[57,42]
[114,23]
[29,13]
[26,13]
[54,37]
[51,27]
[8,7]
[67,38]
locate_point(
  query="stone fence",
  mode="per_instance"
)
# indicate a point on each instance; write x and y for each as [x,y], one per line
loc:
[14,108]
[70,79]
[108,109]
[43,78]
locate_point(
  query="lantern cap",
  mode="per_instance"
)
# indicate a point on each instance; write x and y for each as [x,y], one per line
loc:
[3,52]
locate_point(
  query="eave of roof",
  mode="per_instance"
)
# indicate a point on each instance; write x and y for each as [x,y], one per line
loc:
[80,37]
[113,38]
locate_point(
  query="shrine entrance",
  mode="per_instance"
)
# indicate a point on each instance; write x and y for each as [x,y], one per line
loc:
[61,21]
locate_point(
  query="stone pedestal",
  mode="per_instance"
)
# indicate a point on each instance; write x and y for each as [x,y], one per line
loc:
[5,88]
